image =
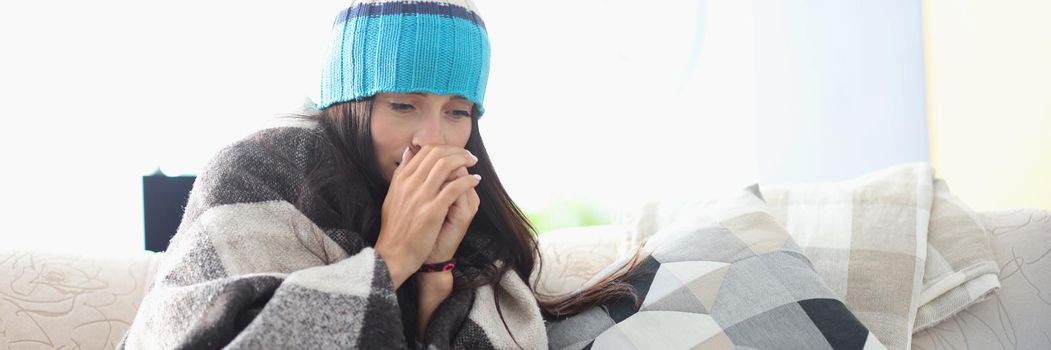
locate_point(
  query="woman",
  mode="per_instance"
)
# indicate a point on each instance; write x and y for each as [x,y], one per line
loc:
[377,221]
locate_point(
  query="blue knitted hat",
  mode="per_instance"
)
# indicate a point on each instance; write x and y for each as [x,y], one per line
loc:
[433,46]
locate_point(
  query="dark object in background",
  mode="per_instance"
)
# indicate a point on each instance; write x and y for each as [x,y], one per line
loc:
[164,199]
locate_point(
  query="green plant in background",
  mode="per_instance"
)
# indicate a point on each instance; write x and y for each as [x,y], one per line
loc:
[567,212]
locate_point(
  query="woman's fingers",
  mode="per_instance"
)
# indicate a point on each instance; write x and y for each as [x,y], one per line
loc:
[461,171]
[445,168]
[459,212]
[455,189]
[430,154]
[406,157]
[418,166]
[473,200]
[410,164]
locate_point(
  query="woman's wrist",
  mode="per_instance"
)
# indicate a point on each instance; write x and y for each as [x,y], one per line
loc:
[442,266]
[434,283]
[398,274]
[433,288]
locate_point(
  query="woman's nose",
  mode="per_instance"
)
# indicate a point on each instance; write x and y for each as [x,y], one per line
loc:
[430,131]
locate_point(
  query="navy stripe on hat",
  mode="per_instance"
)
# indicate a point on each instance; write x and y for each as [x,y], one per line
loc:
[407,8]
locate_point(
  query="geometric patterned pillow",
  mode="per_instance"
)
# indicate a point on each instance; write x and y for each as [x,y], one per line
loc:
[727,276]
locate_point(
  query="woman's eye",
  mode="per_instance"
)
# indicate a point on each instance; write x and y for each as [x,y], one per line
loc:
[462,113]
[402,106]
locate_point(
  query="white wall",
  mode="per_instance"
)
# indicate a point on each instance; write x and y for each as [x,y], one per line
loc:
[990,100]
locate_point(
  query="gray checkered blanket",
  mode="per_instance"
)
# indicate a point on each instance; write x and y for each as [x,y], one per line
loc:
[248,269]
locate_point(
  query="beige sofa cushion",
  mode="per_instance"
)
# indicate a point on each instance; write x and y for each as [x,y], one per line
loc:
[52,300]
[1019,315]
[571,256]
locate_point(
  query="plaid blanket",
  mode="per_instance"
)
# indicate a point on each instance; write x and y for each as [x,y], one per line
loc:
[248,269]
[895,244]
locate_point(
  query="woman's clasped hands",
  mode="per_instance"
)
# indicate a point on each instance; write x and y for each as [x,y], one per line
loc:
[429,205]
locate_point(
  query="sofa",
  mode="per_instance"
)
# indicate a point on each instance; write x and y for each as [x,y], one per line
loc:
[50,300]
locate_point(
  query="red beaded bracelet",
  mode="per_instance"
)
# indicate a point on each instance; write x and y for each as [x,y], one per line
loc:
[439,267]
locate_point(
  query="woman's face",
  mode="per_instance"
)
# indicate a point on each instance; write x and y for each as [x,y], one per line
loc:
[416,119]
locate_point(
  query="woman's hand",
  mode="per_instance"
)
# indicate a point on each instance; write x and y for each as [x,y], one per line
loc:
[418,204]
[453,230]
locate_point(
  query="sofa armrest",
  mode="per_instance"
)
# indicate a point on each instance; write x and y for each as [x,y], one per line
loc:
[70,301]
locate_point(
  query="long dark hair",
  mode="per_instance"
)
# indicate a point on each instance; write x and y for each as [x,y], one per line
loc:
[356,190]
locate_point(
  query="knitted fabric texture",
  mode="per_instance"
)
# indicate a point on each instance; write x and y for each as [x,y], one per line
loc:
[438,46]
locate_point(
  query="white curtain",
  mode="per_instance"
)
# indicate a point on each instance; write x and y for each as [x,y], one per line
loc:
[841,88]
